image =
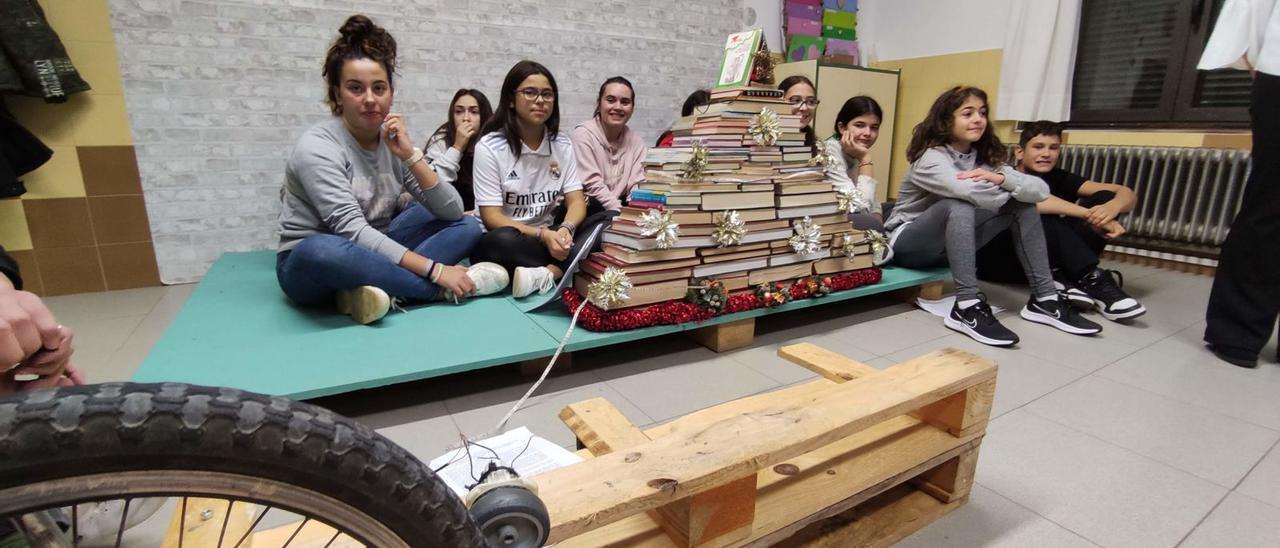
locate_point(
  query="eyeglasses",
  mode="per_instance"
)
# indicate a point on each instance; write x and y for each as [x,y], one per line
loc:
[532,94]
[797,101]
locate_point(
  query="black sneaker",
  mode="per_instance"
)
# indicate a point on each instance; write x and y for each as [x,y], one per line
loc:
[980,324]
[1068,288]
[1103,287]
[1060,314]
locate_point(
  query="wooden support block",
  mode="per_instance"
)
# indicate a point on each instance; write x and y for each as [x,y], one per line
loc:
[534,367]
[930,291]
[207,522]
[717,517]
[962,414]
[726,336]
[952,480]
[827,364]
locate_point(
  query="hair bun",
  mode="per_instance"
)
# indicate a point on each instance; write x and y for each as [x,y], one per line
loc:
[356,28]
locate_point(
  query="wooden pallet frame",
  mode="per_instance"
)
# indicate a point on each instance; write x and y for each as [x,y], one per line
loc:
[859,456]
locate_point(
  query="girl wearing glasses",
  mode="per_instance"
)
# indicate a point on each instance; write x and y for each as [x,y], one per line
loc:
[343,236]
[527,185]
[799,91]
[451,149]
[610,156]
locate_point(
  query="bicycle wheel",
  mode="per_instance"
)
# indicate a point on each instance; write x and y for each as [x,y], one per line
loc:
[126,441]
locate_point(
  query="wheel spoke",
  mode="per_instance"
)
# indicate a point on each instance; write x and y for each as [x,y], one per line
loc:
[265,509]
[336,534]
[226,518]
[123,516]
[296,531]
[182,521]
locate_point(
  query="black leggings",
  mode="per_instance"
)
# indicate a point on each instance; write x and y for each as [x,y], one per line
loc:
[511,248]
[1074,247]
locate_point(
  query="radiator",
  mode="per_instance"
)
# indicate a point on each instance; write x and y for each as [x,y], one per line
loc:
[1187,197]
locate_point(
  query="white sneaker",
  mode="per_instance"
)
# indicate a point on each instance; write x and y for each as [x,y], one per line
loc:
[489,278]
[365,304]
[528,280]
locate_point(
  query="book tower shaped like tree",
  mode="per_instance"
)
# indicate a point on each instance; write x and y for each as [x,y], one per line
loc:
[757,172]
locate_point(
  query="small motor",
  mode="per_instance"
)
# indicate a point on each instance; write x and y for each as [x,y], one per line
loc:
[508,510]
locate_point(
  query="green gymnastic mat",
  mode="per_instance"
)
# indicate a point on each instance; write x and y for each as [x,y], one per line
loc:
[893,278]
[238,330]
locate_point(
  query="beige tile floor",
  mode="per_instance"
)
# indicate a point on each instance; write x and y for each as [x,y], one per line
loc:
[1137,437]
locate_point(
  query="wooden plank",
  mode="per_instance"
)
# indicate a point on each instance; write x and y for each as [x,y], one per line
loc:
[614,486]
[911,461]
[600,427]
[203,525]
[964,413]
[827,364]
[726,336]
[717,517]
[877,523]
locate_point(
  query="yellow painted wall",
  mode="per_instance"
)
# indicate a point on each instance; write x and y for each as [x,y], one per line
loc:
[95,118]
[924,78]
[82,225]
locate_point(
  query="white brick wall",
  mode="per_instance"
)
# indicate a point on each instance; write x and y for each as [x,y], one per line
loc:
[217,91]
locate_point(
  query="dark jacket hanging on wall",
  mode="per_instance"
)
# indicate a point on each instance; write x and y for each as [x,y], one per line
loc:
[34,62]
[20,153]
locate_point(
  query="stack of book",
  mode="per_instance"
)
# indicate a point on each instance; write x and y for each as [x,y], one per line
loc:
[769,189]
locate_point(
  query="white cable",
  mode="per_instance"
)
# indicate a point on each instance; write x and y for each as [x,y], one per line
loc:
[563,341]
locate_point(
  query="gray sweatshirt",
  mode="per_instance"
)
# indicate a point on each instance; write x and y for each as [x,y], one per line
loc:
[332,186]
[933,177]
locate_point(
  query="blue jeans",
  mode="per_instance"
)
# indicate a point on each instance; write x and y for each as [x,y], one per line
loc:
[323,264]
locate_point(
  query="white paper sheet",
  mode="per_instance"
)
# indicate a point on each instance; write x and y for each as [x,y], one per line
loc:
[942,307]
[530,455]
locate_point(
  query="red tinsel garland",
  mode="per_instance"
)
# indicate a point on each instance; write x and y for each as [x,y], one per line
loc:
[676,312]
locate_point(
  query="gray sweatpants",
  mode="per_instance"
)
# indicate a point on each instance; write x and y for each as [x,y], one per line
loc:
[951,231]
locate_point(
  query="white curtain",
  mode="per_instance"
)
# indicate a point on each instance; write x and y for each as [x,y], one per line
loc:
[1039,60]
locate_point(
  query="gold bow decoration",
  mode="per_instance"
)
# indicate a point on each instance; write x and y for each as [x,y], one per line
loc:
[655,222]
[765,128]
[823,158]
[848,198]
[611,289]
[696,165]
[807,237]
[879,244]
[729,230]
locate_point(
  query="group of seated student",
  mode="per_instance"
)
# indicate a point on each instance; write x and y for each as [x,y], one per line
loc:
[368,219]
[367,216]
[959,196]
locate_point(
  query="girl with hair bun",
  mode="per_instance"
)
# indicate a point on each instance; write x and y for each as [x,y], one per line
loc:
[344,238]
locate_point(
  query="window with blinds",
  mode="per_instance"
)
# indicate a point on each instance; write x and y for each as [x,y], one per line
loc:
[1136,66]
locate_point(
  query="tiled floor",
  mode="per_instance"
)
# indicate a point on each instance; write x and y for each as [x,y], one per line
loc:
[1137,437]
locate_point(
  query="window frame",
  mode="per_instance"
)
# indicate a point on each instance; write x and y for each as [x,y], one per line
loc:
[1193,21]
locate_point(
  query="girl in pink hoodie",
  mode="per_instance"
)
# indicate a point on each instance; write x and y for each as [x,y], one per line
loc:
[610,156]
